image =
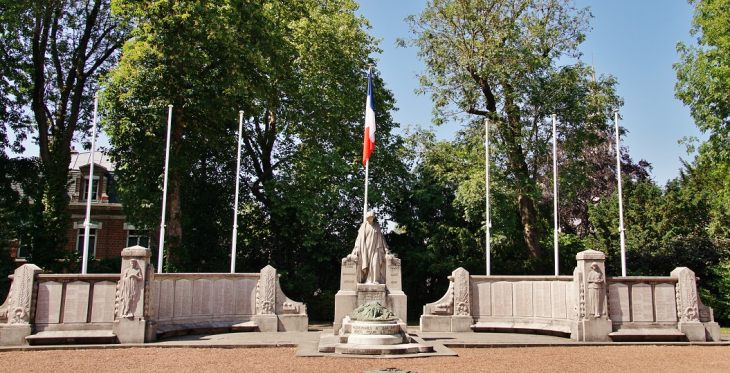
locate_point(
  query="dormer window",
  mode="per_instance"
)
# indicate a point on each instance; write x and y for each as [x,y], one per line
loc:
[95,192]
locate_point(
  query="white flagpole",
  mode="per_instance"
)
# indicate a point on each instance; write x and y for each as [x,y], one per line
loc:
[365,205]
[235,204]
[87,221]
[161,250]
[555,189]
[486,183]
[620,198]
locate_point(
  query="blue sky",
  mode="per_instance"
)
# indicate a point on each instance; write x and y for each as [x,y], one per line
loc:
[631,40]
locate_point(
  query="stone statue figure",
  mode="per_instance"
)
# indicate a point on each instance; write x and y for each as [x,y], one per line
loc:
[595,290]
[369,252]
[129,288]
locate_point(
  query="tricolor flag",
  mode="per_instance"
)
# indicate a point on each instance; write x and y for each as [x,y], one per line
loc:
[369,142]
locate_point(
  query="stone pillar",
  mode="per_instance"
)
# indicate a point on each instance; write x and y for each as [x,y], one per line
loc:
[17,309]
[395,299]
[690,309]
[134,317]
[346,297]
[592,323]
[266,319]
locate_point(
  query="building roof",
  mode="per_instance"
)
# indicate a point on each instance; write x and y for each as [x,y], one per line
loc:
[79,160]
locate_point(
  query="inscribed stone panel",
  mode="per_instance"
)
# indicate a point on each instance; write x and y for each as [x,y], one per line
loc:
[48,305]
[502,298]
[559,300]
[102,304]
[167,299]
[183,298]
[618,303]
[224,303]
[202,299]
[641,303]
[666,303]
[76,304]
[481,292]
[245,290]
[523,299]
[541,299]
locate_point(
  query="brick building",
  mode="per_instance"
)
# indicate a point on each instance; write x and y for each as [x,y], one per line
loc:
[109,231]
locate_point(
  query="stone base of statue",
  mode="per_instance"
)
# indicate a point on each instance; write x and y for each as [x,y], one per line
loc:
[353,295]
[372,329]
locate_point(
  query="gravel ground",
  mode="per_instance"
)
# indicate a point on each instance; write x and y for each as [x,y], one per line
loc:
[537,359]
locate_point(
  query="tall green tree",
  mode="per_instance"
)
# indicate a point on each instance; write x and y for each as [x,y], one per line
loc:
[703,73]
[498,59]
[295,70]
[53,53]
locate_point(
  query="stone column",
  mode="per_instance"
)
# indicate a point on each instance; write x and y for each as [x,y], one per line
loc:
[593,323]
[689,307]
[134,317]
[17,309]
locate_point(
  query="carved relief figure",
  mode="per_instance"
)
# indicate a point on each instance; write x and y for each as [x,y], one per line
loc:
[129,289]
[595,290]
[369,252]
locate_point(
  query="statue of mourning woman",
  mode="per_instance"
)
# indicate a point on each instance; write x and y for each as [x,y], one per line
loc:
[129,289]
[369,252]
[595,290]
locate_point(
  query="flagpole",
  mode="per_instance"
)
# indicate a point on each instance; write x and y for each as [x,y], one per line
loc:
[164,193]
[369,134]
[620,197]
[365,205]
[488,220]
[555,190]
[235,204]
[87,221]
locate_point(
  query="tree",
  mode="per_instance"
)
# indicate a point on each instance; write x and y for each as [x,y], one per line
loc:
[295,69]
[498,59]
[703,74]
[53,53]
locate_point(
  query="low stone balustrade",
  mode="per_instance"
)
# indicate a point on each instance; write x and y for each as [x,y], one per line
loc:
[136,305]
[587,306]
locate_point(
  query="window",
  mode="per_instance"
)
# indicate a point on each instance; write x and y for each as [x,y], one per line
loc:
[24,247]
[92,241]
[137,237]
[94,189]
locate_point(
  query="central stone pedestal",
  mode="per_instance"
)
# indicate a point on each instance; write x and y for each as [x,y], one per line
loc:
[353,295]
[372,329]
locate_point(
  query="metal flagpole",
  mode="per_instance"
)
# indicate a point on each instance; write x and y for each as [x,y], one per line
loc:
[620,198]
[365,205]
[164,193]
[87,221]
[235,204]
[555,189]
[486,183]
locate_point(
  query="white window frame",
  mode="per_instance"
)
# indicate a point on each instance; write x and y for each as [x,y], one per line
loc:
[85,188]
[79,226]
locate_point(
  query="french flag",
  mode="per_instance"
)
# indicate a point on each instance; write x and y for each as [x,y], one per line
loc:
[369,142]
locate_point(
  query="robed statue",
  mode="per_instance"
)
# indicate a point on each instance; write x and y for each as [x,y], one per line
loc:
[369,252]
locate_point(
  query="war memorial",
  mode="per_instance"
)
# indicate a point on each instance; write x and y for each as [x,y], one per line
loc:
[138,306]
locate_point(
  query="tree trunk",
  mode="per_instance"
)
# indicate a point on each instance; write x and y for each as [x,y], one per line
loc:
[173,229]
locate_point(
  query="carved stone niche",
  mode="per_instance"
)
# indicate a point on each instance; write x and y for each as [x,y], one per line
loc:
[133,314]
[16,312]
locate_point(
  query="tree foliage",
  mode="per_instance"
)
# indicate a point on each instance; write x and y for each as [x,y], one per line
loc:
[53,53]
[499,59]
[295,71]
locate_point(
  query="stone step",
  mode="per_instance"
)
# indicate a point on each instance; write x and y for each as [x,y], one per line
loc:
[646,334]
[72,337]
[517,327]
[173,330]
